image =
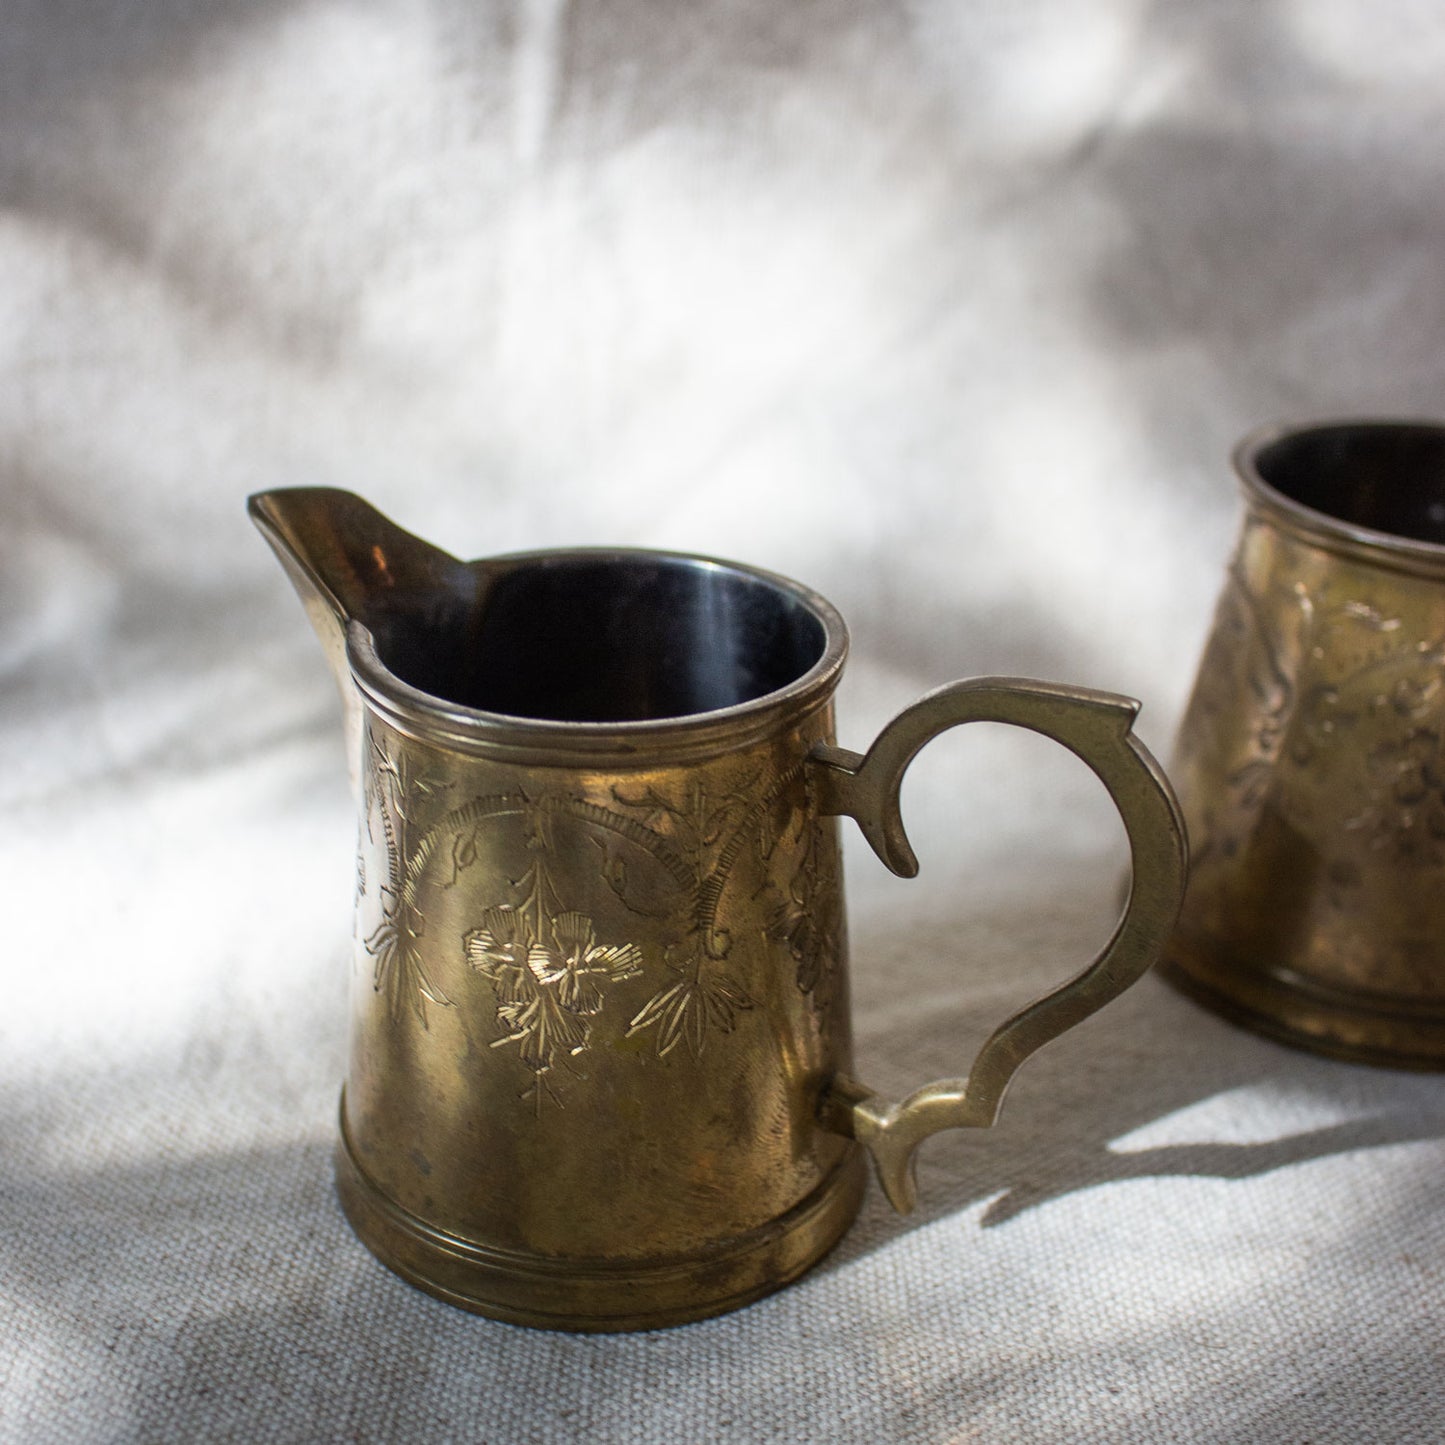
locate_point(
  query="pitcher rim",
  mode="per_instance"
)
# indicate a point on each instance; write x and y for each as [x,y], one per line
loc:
[463,728]
[1323,529]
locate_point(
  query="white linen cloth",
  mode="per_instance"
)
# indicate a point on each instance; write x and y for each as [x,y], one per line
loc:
[949,311]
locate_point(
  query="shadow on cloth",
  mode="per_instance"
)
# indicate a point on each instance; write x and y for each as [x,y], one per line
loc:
[1116,1075]
[177,1288]
[206,1297]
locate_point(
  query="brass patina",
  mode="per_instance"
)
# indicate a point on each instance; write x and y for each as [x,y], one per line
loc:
[600,1062]
[1310,760]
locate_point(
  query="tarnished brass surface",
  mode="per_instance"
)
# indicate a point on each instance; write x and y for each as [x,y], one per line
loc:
[1310,760]
[600,1063]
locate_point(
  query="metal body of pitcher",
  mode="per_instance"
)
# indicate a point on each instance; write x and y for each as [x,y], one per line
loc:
[600,1071]
[599,1002]
[1311,761]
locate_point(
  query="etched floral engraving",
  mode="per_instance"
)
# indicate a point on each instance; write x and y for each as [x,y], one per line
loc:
[699,999]
[704,997]
[398,969]
[544,949]
[399,783]
[1385,702]
[549,972]
[1405,812]
[808,920]
[701,995]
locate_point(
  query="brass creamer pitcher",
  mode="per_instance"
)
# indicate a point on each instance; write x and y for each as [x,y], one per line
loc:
[600,1063]
[1311,761]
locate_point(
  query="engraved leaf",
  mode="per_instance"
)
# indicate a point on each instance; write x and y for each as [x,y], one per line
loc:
[544,1031]
[425,986]
[398,968]
[540,831]
[649,800]
[400,781]
[725,998]
[614,874]
[464,852]
[772,825]
[654,1008]
[789,924]
[685,1009]
[665,1010]
[672,1031]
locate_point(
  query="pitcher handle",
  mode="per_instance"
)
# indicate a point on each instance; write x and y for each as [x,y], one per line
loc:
[1098,727]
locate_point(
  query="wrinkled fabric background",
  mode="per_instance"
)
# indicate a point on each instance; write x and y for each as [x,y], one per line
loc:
[952,311]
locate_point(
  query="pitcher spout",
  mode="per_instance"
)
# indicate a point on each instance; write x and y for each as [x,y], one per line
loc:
[350,565]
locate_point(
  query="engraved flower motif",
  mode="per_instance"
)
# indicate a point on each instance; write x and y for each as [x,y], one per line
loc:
[579,966]
[499,952]
[547,990]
